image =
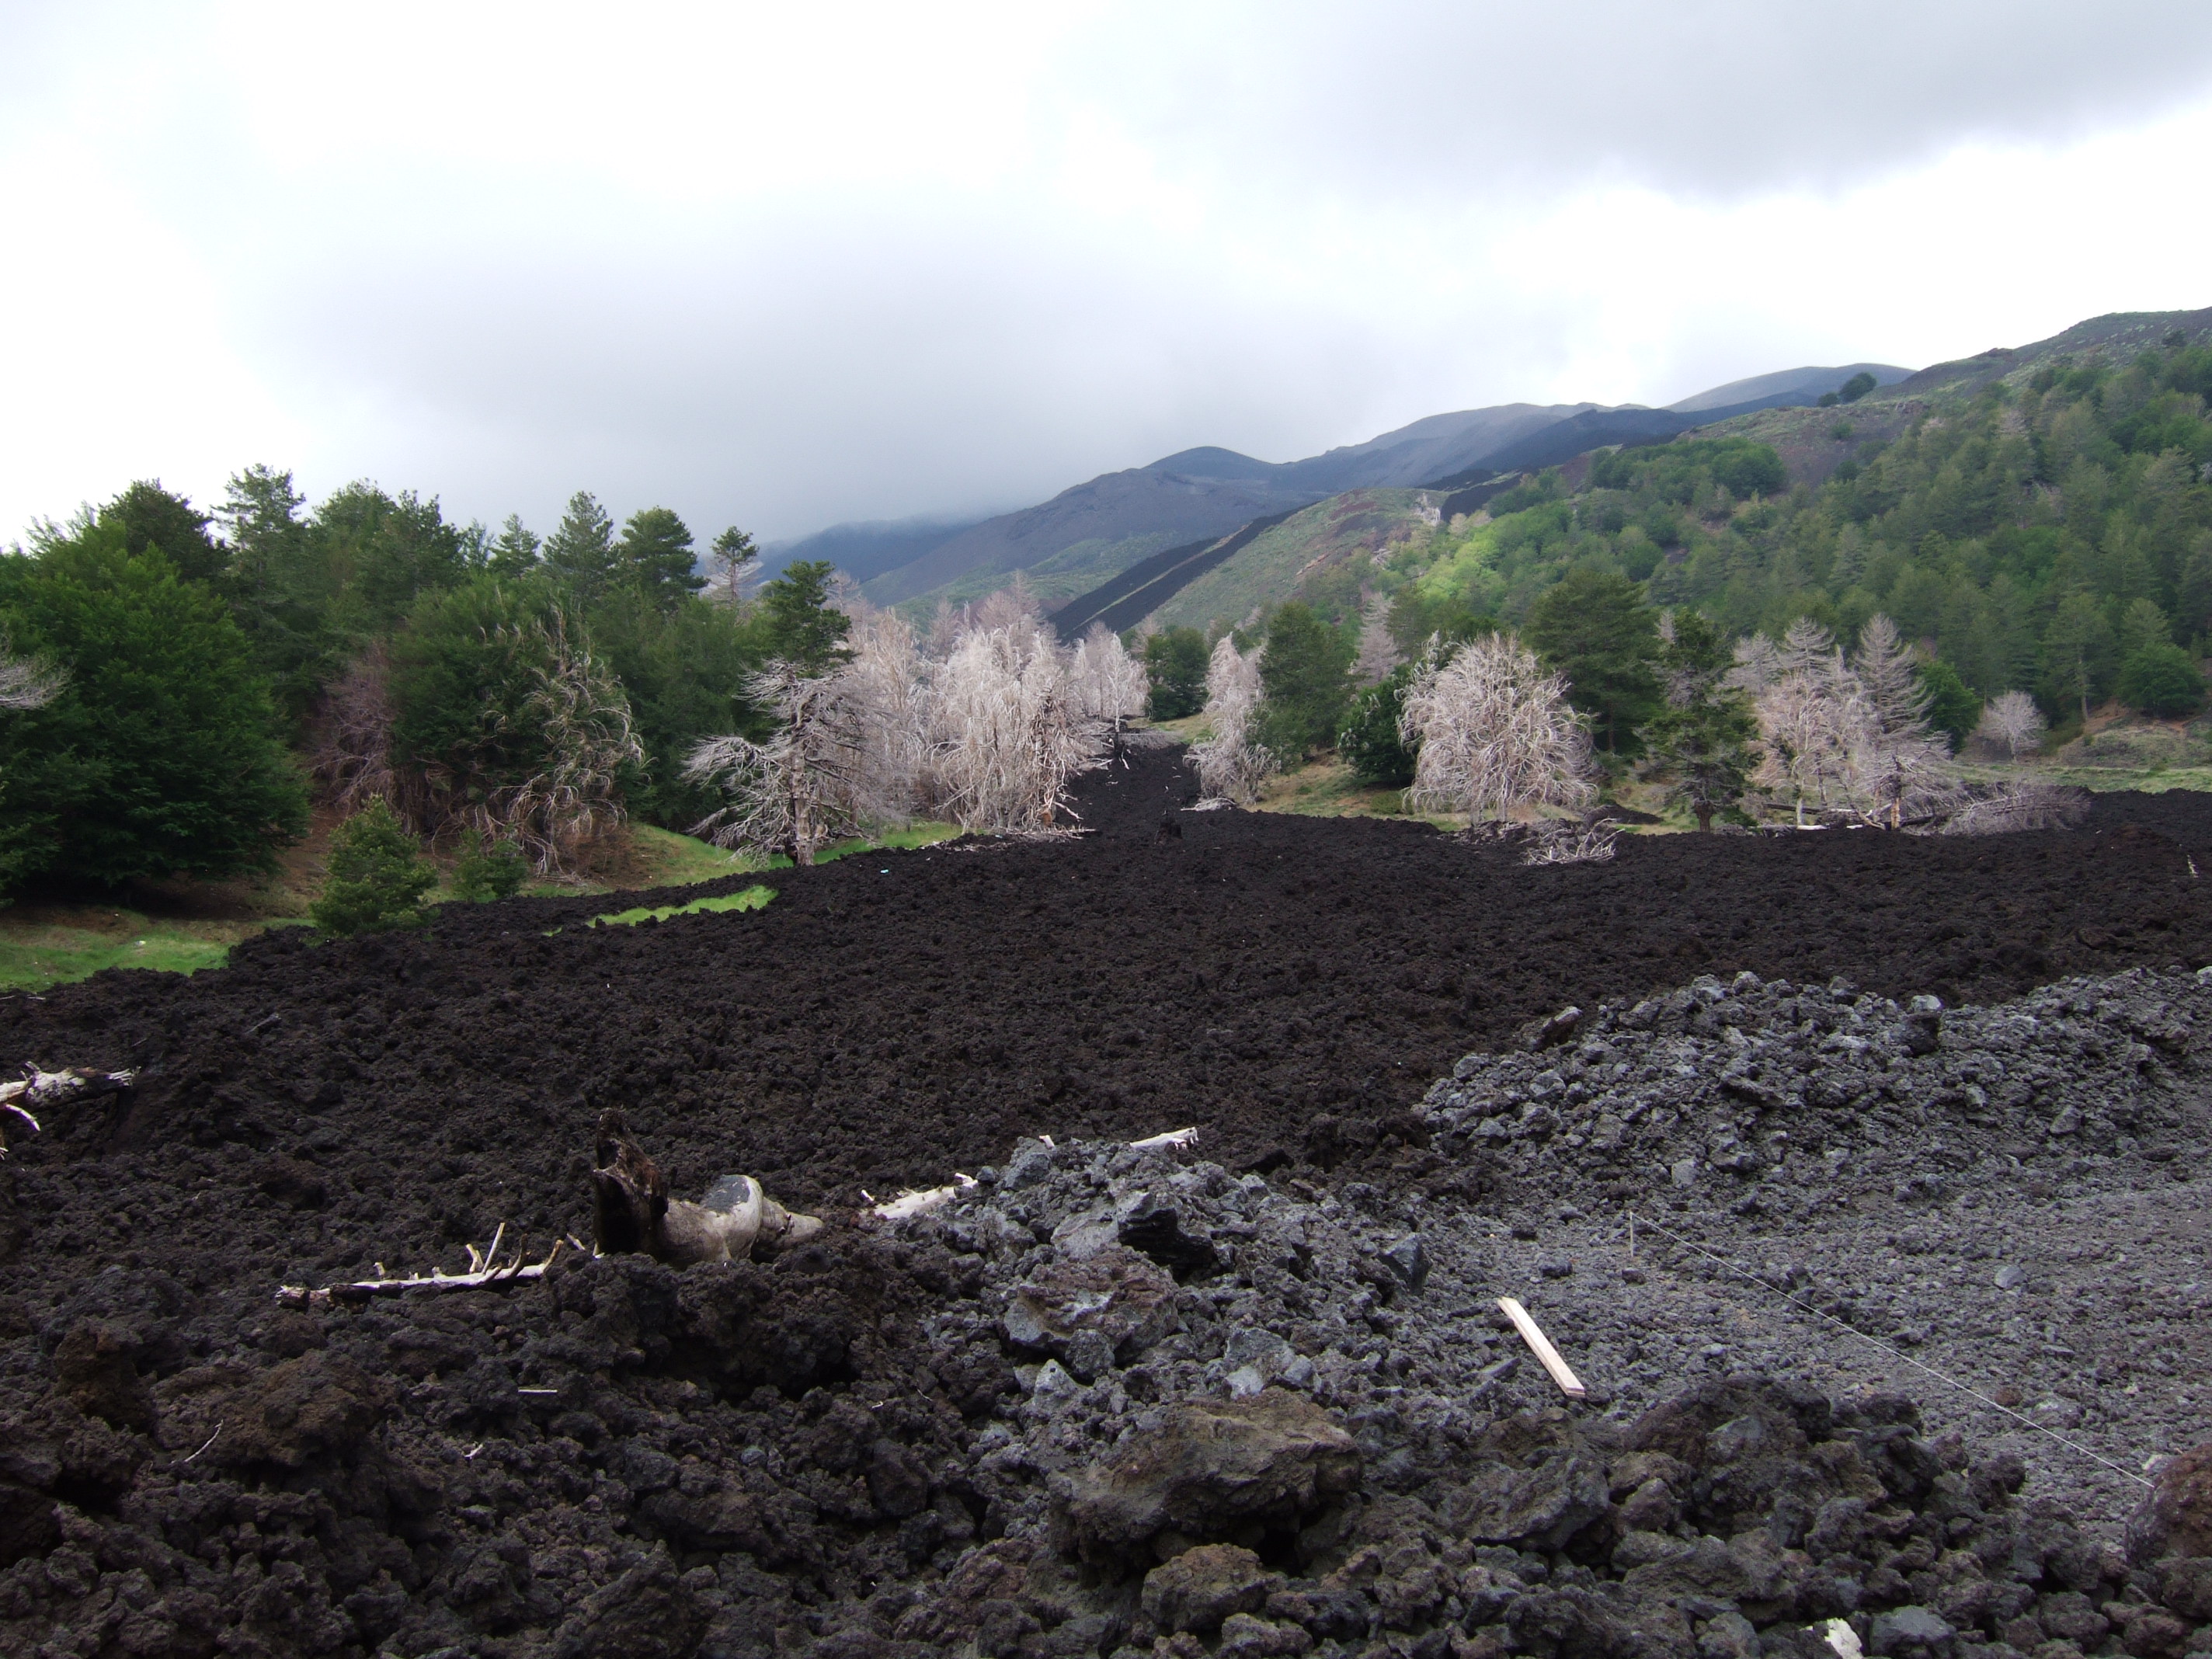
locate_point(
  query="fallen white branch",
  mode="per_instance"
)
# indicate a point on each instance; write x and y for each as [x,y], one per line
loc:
[1541,1346]
[45,1088]
[486,1272]
[910,1204]
[914,1203]
[1172,1138]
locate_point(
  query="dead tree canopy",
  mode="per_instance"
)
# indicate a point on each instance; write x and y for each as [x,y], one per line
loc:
[633,1213]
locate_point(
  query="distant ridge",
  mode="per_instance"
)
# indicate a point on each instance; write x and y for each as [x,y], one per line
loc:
[1595,429]
[867,549]
[1106,525]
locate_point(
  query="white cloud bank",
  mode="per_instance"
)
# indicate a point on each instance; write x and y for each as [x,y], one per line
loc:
[784,269]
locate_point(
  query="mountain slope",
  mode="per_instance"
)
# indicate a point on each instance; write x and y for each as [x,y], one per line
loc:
[867,549]
[1205,492]
[1099,528]
[1809,384]
[1282,558]
[1133,512]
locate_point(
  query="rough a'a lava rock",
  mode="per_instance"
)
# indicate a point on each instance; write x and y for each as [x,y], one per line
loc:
[1212,1468]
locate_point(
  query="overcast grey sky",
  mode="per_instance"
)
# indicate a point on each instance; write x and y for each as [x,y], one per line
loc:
[784,269]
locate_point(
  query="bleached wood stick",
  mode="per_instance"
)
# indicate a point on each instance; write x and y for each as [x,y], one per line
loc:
[367,1289]
[920,1203]
[1541,1346]
[1172,1138]
[910,1204]
[42,1089]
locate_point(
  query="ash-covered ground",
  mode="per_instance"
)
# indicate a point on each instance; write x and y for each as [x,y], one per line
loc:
[1250,1397]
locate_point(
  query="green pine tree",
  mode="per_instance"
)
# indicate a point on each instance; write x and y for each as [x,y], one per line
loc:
[804,629]
[656,556]
[1175,661]
[1594,628]
[580,553]
[1701,735]
[1305,682]
[377,875]
[482,872]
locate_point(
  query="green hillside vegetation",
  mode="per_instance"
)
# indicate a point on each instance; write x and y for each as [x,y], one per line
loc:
[2049,529]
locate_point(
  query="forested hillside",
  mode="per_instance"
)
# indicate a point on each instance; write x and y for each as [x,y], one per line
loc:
[2034,531]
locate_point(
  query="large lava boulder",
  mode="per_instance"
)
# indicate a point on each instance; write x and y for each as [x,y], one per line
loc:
[1211,1471]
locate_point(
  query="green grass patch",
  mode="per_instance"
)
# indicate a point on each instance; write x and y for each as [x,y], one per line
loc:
[750,899]
[672,860]
[924,834]
[41,947]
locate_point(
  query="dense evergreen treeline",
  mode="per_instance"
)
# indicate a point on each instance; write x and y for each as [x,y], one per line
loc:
[204,661]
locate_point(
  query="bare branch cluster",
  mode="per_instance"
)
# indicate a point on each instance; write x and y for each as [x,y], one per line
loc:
[1495,734]
[1009,735]
[573,725]
[580,718]
[1110,684]
[2011,718]
[1232,763]
[1561,841]
[1850,738]
[27,684]
[793,794]
[2017,806]
[353,756]
[985,721]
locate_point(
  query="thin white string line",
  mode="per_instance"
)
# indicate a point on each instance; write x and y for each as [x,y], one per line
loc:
[1852,1330]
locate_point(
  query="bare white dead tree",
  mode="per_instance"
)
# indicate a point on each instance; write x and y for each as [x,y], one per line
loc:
[793,793]
[1110,685]
[1495,734]
[1814,723]
[1849,738]
[1758,664]
[1805,647]
[1905,770]
[1015,610]
[2013,720]
[1009,733]
[1885,666]
[27,684]
[2016,807]
[1232,763]
[946,624]
[887,685]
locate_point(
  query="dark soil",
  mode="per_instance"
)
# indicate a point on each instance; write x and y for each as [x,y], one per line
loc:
[1292,987]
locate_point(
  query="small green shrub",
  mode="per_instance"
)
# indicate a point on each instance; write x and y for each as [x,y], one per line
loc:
[1370,743]
[483,873]
[377,876]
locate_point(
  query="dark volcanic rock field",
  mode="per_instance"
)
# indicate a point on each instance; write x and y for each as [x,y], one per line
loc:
[848,1447]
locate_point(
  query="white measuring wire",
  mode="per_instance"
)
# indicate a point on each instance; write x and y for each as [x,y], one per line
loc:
[1852,1330]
